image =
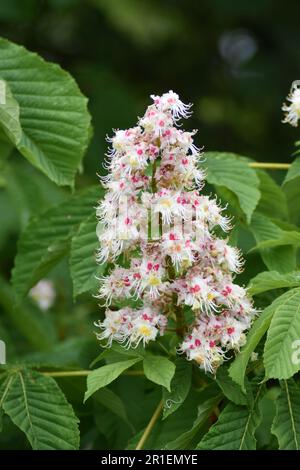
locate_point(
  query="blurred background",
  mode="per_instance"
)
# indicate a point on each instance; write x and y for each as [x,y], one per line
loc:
[235,60]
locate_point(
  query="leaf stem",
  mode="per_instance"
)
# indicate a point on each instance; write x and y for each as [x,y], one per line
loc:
[65,373]
[150,426]
[84,373]
[270,166]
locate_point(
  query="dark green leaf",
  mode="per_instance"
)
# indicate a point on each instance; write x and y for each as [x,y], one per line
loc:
[230,388]
[83,266]
[37,406]
[286,425]
[47,237]
[235,427]
[46,116]
[180,386]
[231,171]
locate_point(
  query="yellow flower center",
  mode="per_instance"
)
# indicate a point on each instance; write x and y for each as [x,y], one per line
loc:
[145,330]
[133,162]
[166,203]
[199,359]
[153,281]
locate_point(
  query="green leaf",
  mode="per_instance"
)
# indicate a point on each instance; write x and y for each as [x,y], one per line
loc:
[293,172]
[5,149]
[167,430]
[46,116]
[292,194]
[231,390]
[27,319]
[282,258]
[269,280]
[69,353]
[291,188]
[286,425]
[159,370]
[265,439]
[83,266]
[235,427]
[273,201]
[38,407]
[286,238]
[112,402]
[9,113]
[117,353]
[231,171]
[184,440]
[180,387]
[30,191]
[103,376]
[237,369]
[279,354]
[47,237]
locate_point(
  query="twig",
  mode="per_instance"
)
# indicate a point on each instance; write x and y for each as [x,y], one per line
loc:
[150,426]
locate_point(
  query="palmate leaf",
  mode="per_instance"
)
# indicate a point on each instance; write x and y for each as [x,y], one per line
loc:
[286,424]
[38,407]
[284,332]
[235,427]
[47,237]
[233,172]
[46,116]
[84,268]
[269,280]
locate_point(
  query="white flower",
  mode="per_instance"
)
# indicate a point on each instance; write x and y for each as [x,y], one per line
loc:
[226,255]
[254,356]
[114,326]
[179,248]
[43,293]
[118,285]
[292,110]
[170,101]
[154,169]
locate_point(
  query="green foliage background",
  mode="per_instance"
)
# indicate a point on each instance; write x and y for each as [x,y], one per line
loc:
[235,61]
